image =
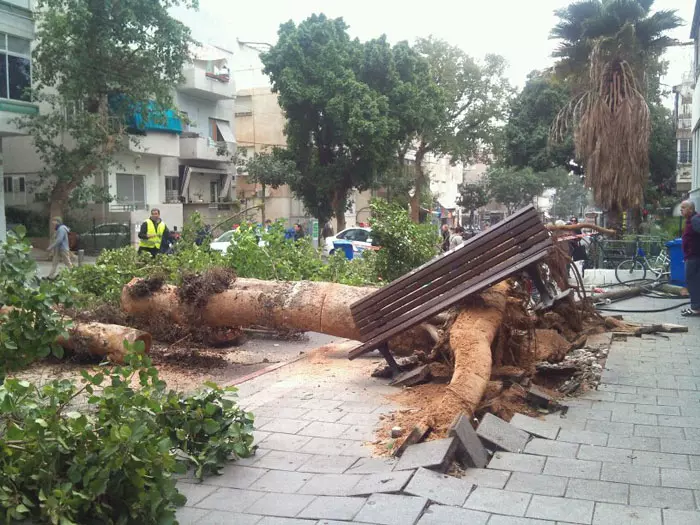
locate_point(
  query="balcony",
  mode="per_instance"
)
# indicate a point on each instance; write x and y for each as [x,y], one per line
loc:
[10,110]
[685,157]
[204,81]
[204,148]
[685,123]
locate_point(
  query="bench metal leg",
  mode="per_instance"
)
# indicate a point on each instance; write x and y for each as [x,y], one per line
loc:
[534,273]
[384,350]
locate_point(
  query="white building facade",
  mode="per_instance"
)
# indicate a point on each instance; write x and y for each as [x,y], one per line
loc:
[695,115]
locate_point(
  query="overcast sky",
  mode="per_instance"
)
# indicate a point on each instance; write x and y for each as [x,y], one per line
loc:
[516,29]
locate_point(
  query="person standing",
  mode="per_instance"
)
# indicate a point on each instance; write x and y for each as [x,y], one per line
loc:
[457,237]
[298,232]
[445,232]
[59,247]
[691,256]
[152,233]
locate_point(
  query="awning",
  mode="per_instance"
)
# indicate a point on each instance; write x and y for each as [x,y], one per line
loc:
[213,171]
[225,130]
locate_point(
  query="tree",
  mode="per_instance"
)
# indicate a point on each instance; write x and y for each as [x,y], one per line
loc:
[610,52]
[95,63]
[269,168]
[530,117]
[662,150]
[472,196]
[339,132]
[476,97]
[570,197]
[514,188]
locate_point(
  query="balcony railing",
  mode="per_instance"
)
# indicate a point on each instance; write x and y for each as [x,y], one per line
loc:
[685,157]
[685,123]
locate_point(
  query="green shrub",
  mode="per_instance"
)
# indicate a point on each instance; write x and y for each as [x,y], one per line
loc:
[106,453]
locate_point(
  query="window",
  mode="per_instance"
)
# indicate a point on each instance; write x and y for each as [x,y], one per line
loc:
[15,67]
[172,189]
[214,191]
[685,151]
[220,131]
[15,191]
[131,191]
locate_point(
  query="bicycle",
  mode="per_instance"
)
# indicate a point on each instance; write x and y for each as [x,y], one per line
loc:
[635,269]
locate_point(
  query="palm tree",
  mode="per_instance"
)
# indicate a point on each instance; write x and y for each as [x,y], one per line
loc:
[610,55]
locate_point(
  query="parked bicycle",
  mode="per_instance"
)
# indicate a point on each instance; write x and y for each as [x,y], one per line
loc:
[636,268]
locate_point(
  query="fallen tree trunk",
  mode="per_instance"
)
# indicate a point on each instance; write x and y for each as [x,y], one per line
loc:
[100,339]
[583,225]
[305,305]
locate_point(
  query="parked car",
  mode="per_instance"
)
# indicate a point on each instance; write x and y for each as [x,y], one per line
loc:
[361,239]
[108,236]
[223,241]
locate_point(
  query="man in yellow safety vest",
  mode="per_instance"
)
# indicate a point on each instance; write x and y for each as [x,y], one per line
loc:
[153,232]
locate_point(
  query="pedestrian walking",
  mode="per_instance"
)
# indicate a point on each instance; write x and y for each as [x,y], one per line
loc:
[691,255]
[154,235]
[59,247]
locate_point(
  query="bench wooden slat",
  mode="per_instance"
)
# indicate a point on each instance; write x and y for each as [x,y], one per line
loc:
[506,251]
[419,274]
[495,249]
[431,308]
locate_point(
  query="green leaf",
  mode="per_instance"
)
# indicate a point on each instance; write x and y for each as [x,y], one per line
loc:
[41,422]
[211,426]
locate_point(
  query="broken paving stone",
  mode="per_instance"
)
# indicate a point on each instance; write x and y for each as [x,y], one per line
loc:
[539,397]
[436,455]
[535,427]
[383,482]
[396,432]
[470,450]
[413,377]
[418,434]
[440,488]
[502,435]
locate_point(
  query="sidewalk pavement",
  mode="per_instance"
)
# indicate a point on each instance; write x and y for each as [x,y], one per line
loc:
[44,261]
[627,454]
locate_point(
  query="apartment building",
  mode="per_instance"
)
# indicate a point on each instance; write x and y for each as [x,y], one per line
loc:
[695,113]
[179,162]
[16,35]
[683,116]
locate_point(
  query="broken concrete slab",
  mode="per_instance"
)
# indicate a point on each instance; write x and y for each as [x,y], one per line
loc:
[436,455]
[536,427]
[384,482]
[501,435]
[470,451]
[418,434]
[413,377]
[538,397]
[438,487]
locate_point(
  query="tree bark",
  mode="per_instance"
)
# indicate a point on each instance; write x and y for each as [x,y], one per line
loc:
[419,182]
[262,205]
[339,204]
[307,306]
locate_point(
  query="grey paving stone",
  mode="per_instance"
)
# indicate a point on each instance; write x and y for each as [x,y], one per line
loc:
[220,517]
[322,464]
[636,474]
[330,484]
[665,498]
[333,507]
[584,437]
[285,442]
[536,427]
[443,515]
[598,491]
[673,401]
[660,459]
[607,454]
[495,479]
[195,492]
[537,484]
[635,417]
[287,426]
[658,410]
[353,418]
[334,446]
[681,517]
[278,460]
[323,429]
[593,414]
[358,407]
[279,412]
[511,520]
[610,427]
[360,433]
[246,462]
[438,487]
[272,520]
[236,477]
[372,465]
[610,514]
[501,435]
[281,481]
[436,454]
[235,500]
[679,421]
[636,399]
[694,463]
[470,449]
[572,468]
[501,501]
[571,510]
[683,479]
[659,432]
[390,509]
[691,433]
[681,446]
[546,447]
[517,462]
[621,389]
[259,436]
[635,442]
[321,404]
[278,504]
[191,516]
[381,482]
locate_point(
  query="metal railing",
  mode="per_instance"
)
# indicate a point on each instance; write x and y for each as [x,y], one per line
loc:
[685,157]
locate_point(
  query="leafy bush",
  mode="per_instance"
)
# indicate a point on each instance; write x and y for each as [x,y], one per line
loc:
[29,323]
[405,245]
[105,453]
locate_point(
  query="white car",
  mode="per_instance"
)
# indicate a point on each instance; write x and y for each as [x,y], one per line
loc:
[361,239]
[223,241]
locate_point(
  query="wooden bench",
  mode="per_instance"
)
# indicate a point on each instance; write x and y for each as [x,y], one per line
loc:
[513,245]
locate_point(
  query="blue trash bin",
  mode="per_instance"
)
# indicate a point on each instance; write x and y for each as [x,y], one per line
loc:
[347,248]
[675,251]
